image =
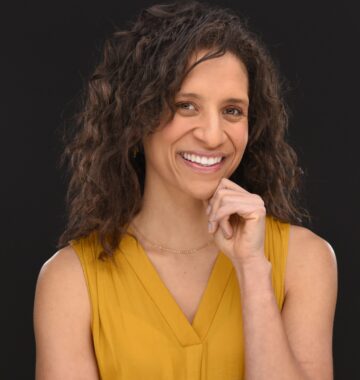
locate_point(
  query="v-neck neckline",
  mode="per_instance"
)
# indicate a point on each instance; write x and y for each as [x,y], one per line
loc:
[186,332]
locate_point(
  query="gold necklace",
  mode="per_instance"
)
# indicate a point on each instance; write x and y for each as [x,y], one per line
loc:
[171,250]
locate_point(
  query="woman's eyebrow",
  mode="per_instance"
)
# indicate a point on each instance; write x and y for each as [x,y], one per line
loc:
[197,96]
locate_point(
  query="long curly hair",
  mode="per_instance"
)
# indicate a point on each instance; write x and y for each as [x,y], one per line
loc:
[130,92]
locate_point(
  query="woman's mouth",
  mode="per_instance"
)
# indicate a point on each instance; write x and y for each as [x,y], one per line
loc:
[202,164]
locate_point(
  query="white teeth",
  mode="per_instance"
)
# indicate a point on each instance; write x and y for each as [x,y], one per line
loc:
[202,160]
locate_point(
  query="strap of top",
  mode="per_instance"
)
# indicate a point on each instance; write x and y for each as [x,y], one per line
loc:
[276,251]
[87,250]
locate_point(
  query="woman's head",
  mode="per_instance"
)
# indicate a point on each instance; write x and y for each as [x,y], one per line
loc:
[133,93]
[210,120]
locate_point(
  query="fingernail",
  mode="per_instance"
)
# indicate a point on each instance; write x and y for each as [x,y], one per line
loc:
[209,227]
[226,233]
[208,209]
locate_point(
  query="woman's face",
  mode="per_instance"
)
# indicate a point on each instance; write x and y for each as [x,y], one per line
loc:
[210,120]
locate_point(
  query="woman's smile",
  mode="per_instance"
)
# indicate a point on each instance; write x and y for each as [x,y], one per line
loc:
[201,164]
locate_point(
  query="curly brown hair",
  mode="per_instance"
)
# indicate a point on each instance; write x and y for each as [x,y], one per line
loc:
[133,88]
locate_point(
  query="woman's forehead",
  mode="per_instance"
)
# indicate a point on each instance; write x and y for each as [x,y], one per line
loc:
[225,74]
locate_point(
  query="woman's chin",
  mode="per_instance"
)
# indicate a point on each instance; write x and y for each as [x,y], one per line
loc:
[202,192]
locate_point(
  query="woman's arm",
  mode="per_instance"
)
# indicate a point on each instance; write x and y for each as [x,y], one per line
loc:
[62,315]
[296,343]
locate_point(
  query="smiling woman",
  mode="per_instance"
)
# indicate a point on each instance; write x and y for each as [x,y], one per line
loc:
[183,256]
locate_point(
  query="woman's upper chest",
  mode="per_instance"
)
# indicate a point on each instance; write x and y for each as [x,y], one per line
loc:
[186,278]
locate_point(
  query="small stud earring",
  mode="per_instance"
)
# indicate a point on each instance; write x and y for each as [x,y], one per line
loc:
[135,151]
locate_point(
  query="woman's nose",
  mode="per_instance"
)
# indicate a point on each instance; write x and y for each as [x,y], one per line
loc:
[210,130]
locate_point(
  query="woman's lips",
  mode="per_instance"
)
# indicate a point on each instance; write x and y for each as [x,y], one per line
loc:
[201,168]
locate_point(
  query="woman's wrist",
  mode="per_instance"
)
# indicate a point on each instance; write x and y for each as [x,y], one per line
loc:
[254,273]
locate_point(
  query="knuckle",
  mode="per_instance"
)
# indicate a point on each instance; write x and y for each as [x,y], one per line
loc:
[217,215]
[262,211]
[259,199]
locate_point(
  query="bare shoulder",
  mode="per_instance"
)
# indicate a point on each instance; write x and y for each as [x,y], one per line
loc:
[309,255]
[63,262]
[62,320]
[61,278]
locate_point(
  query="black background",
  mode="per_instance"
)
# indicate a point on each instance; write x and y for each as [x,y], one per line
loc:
[48,50]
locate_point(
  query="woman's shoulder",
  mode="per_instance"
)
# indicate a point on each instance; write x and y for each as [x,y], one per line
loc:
[61,288]
[61,278]
[63,264]
[310,257]
[306,244]
[62,318]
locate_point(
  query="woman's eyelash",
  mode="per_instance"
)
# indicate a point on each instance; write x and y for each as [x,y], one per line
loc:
[240,112]
[181,104]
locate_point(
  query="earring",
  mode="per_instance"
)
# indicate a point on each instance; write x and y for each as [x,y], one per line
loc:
[135,151]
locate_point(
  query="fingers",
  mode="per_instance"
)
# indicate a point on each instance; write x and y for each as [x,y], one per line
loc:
[228,199]
[223,197]
[221,213]
[249,209]
[227,184]
[225,188]
[226,227]
[213,206]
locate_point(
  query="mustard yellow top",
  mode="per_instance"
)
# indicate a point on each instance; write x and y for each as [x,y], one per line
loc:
[140,332]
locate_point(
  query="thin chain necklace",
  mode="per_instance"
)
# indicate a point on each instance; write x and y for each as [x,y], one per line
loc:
[170,250]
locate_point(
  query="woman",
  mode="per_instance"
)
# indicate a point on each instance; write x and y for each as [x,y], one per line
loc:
[184,257]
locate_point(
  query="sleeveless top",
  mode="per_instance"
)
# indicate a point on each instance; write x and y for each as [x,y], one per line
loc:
[140,332]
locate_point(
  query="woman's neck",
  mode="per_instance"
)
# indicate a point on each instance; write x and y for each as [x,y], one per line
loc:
[175,219]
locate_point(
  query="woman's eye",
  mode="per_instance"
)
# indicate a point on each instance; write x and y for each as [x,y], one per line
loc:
[184,106]
[235,112]
[190,107]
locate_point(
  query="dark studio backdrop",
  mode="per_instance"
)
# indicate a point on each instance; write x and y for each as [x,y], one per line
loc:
[49,48]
